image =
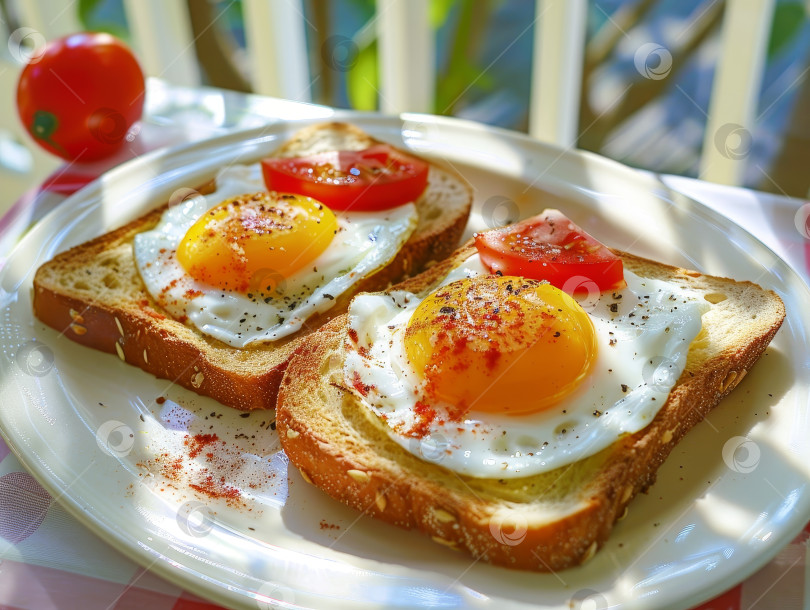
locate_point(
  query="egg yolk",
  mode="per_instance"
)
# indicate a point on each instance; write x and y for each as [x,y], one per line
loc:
[500,344]
[249,243]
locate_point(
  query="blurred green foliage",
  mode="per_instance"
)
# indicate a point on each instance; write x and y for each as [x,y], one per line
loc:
[458,75]
[94,18]
[787,21]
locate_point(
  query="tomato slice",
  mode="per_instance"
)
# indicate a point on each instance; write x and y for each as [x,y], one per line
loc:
[377,178]
[550,247]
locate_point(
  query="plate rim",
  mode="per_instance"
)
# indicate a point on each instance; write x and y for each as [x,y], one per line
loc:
[187,577]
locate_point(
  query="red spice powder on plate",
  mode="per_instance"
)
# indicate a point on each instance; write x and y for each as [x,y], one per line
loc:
[198,442]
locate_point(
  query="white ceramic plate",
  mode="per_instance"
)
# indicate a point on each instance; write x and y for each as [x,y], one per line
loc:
[112,443]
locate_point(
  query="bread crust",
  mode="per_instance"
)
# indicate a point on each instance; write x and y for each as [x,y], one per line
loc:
[133,326]
[342,449]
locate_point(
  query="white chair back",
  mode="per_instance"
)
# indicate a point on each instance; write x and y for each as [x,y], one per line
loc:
[276,45]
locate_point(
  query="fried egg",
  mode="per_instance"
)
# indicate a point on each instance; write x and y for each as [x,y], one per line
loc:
[246,266]
[503,377]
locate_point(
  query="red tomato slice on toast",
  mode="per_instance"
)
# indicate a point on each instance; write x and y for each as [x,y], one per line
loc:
[377,178]
[550,247]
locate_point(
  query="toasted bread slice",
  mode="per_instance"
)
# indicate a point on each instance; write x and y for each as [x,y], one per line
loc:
[93,293]
[548,521]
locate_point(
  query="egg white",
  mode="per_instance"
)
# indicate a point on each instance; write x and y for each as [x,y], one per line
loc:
[643,333]
[365,242]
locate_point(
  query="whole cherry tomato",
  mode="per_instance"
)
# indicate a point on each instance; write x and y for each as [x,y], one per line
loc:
[80,96]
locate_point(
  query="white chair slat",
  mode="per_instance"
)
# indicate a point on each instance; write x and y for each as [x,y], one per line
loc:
[276,43]
[735,90]
[407,50]
[162,37]
[275,35]
[559,42]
